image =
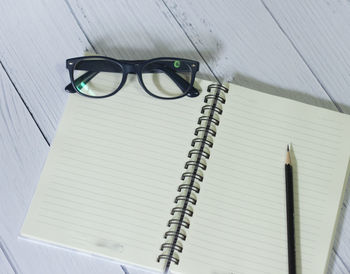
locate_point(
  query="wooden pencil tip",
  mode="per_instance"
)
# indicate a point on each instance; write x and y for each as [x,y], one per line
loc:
[288,156]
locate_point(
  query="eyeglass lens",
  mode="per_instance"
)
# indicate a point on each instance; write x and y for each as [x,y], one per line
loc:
[97,77]
[164,78]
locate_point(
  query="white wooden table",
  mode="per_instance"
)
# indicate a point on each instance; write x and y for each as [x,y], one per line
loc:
[297,49]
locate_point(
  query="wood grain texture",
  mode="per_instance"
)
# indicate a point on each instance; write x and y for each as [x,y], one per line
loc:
[240,39]
[6,262]
[134,30]
[22,154]
[35,39]
[320,30]
[336,265]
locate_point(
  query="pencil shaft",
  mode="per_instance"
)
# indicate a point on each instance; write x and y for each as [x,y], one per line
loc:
[290,219]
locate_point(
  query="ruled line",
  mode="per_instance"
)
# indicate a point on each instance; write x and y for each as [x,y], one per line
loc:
[114,176]
[94,229]
[82,232]
[71,218]
[99,211]
[101,168]
[284,114]
[102,191]
[272,133]
[297,124]
[104,203]
[134,201]
[202,253]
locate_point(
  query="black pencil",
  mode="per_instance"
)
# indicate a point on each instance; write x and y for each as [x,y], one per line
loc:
[290,214]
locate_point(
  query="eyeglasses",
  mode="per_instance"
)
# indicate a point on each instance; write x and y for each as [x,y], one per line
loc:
[163,78]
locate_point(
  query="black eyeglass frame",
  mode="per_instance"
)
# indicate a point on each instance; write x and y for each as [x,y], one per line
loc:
[136,67]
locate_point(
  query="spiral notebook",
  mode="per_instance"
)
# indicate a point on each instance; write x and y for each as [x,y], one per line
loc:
[194,185]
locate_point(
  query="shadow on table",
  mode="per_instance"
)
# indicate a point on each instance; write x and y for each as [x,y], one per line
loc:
[252,83]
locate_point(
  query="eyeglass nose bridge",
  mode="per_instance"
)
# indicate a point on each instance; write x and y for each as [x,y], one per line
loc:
[131,68]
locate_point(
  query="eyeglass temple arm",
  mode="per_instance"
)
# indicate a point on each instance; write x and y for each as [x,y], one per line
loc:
[94,70]
[81,81]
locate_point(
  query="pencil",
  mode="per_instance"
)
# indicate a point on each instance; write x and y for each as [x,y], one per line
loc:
[290,214]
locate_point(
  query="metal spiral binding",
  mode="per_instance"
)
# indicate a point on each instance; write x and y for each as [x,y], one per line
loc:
[193,175]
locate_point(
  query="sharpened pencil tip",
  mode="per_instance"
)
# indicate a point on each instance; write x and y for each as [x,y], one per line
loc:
[288,156]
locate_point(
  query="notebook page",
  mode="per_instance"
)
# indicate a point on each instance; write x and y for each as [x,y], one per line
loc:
[109,181]
[239,224]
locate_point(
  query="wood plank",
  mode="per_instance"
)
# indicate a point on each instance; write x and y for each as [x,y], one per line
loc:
[321,32]
[35,39]
[240,39]
[134,30]
[6,263]
[336,265]
[22,154]
[260,67]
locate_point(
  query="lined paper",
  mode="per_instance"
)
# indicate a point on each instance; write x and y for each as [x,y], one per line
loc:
[112,173]
[239,225]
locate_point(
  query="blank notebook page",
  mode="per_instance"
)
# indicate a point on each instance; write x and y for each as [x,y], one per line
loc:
[239,222]
[111,176]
